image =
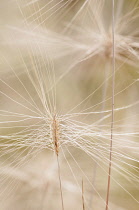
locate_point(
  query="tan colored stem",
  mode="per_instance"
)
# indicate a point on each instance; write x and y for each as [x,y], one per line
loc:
[83,203]
[55,135]
[112,119]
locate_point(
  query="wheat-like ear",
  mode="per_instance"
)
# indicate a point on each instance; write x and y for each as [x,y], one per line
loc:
[55,134]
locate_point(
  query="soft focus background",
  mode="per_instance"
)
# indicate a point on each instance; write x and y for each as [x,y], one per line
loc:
[56,59]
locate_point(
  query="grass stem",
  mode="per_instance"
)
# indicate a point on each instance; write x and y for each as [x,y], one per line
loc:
[112,111]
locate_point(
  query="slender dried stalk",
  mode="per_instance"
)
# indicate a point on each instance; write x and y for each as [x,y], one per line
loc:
[55,134]
[112,119]
[83,195]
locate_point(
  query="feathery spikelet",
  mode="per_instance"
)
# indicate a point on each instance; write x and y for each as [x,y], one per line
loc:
[55,134]
[92,32]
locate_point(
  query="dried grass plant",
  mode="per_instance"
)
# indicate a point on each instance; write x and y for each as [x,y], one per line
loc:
[69,105]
